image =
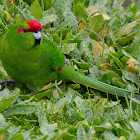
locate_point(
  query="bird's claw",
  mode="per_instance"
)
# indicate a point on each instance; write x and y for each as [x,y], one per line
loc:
[68,56]
[9,83]
[32,92]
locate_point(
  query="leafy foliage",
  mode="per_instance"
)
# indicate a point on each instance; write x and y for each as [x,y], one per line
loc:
[103,39]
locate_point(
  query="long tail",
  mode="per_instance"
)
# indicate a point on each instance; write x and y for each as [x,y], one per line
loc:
[68,74]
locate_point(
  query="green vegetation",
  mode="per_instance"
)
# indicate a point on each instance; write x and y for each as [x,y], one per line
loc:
[103,39]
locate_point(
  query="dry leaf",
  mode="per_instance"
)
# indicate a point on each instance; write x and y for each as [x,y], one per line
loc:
[92,9]
[132,66]
[81,26]
[97,48]
[45,87]
[112,49]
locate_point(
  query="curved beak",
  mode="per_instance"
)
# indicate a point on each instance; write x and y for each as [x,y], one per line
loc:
[37,36]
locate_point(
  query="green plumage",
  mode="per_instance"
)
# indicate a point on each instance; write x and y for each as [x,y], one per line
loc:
[32,66]
[35,66]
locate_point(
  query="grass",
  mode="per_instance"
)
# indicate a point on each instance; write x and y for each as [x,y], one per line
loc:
[103,39]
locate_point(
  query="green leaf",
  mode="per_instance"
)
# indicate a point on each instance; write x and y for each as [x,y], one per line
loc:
[47,4]
[26,134]
[42,94]
[4,94]
[18,137]
[117,61]
[97,121]
[87,111]
[136,127]
[102,5]
[66,19]
[36,10]
[119,130]
[136,101]
[118,83]
[20,109]
[82,64]
[74,86]
[117,4]
[72,113]
[48,16]
[45,128]
[63,134]
[109,135]
[108,76]
[62,101]
[99,129]
[83,108]
[5,128]
[13,130]
[86,49]
[130,77]
[79,103]
[79,9]
[80,134]
[68,136]
[24,97]
[96,23]
[98,110]
[126,39]
[4,125]
[8,99]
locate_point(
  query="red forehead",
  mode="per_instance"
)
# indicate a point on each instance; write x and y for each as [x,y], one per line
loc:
[34,25]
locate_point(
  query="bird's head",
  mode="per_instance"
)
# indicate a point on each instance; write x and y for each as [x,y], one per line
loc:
[25,34]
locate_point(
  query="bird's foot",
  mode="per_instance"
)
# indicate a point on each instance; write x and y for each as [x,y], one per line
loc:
[32,92]
[7,83]
[68,56]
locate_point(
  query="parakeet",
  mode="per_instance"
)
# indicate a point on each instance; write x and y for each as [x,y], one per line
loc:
[31,59]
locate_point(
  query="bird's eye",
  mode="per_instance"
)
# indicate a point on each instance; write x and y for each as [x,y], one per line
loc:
[24,30]
[36,31]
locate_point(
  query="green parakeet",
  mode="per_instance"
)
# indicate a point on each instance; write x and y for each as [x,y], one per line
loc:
[33,60]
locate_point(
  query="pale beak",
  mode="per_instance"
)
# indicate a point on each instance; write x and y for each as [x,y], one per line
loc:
[37,36]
